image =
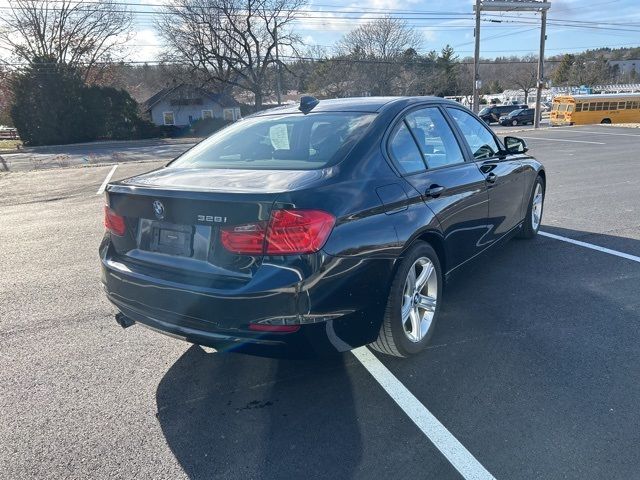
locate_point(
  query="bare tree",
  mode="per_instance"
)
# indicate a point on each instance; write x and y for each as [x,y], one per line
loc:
[379,46]
[524,75]
[232,42]
[73,32]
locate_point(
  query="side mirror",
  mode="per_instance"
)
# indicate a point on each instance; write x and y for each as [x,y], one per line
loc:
[515,145]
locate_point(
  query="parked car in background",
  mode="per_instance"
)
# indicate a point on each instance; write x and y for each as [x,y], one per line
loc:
[522,116]
[545,106]
[319,227]
[493,113]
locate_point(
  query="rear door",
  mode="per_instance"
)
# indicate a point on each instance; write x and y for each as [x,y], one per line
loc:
[426,150]
[504,173]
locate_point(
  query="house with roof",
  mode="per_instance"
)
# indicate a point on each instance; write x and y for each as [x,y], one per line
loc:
[183,104]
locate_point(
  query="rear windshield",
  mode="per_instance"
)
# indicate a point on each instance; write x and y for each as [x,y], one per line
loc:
[273,142]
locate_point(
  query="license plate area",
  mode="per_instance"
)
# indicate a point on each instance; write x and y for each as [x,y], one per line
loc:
[167,238]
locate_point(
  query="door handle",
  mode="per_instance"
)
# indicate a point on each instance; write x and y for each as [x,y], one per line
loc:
[434,191]
[492,177]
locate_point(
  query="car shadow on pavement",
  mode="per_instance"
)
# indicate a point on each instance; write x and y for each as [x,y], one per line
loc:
[227,415]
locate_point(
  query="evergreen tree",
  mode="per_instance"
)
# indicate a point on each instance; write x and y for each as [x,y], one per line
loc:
[561,74]
[48,107]
[52,105]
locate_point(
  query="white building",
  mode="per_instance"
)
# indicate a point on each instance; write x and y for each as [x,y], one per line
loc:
[183,104]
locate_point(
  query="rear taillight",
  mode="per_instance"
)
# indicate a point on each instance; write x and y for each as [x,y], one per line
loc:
[114,222]
[245,239]
[288,232]
[298,231]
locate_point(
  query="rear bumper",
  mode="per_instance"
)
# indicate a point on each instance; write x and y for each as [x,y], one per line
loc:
[338,303]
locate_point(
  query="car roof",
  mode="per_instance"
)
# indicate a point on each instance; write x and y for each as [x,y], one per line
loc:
[356,104]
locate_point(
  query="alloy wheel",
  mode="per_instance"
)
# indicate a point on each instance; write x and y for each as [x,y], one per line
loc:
[419,299]
[536,207]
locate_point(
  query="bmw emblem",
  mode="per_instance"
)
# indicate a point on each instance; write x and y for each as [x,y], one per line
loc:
[158,209]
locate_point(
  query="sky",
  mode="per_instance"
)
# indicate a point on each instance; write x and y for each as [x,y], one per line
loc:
[607,23]
[574,25]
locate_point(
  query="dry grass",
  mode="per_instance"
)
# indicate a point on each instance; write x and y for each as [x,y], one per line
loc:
[9,144]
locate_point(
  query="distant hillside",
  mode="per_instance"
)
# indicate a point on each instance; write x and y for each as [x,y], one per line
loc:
[626,53]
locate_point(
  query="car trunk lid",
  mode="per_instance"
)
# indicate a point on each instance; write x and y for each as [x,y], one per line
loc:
[174,219]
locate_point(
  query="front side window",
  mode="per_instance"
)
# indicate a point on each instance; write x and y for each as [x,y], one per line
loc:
[168,118]
[482,143]
[286,141]
[437,142]
[404,150]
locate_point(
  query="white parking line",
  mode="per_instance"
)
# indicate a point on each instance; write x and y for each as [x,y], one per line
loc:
[461,459]
[592,246]
[563,140]
[106,180]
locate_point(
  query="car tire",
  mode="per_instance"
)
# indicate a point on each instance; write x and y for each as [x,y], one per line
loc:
[535,208]
[412,311]
[514,122]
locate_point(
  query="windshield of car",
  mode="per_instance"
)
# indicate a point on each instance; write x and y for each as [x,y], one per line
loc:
[516,112]
[274,142]
[485,111]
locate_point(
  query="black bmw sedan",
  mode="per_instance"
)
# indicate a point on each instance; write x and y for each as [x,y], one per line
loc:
[522,116]
[317,227]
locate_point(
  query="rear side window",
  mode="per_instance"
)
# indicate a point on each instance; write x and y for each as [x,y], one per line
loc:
[404,150]
[287,142]
[435,138]
[482,143]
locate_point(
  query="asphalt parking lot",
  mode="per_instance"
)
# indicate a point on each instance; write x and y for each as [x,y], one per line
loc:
[533,367]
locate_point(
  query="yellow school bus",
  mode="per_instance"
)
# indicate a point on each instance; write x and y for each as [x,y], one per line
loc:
[590,109]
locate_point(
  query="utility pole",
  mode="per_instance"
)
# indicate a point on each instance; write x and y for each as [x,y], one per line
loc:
[510,6]
[476,61]
[543,37]
[278,92]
